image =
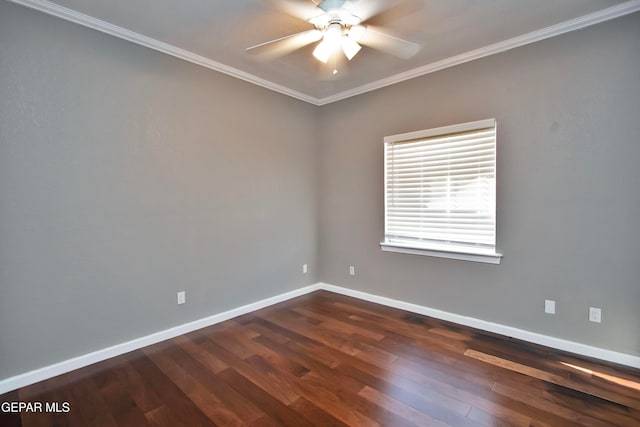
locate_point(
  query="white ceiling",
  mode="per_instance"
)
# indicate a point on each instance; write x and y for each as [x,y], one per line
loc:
[215,33]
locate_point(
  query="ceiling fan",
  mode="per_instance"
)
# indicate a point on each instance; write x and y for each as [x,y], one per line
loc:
[340,26]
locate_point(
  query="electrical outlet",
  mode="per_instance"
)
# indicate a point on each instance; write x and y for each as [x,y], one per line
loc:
[182,298]
[304,268]
[595,315]
[352,270]
[549,306]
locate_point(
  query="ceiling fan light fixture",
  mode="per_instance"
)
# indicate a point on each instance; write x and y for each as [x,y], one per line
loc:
[323,51]
[333,34]
[350,47]
[338,27]
[331,41]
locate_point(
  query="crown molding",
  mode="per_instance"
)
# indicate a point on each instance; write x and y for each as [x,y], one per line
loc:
[609,13]
[114,30]
[603,15]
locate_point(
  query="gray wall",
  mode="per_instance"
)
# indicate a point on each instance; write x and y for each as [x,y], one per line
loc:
[568,112]
[127,175]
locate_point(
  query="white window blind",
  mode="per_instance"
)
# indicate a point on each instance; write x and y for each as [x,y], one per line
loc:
[440,187]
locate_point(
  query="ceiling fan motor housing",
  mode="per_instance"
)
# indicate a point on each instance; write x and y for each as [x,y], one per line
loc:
[334,14]
[335,24]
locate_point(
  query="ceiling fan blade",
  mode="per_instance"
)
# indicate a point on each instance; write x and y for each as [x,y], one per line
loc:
[284,45]
[302,9]
[390,11]
[386,10]
[372,36]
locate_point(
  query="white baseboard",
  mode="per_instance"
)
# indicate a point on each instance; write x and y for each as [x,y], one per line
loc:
[32,377]
[521,334]
[51,371]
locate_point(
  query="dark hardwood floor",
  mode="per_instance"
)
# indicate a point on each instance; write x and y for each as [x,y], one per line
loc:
[329,360]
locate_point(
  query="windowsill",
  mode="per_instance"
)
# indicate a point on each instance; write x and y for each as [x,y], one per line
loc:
[451,253]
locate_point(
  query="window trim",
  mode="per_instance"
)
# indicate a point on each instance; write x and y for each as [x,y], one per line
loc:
[450,252]
[434,249]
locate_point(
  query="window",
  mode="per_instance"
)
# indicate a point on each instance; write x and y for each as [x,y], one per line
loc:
[440,192]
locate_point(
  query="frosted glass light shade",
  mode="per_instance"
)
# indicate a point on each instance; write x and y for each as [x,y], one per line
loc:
[350,47]
[323,51]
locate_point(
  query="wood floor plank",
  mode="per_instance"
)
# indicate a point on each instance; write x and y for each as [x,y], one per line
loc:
[317,333]
[407,412]
[244,346]
[7,417]
[297,354]
[335,324]
[280,412]
[192,344]
[31,419]
[94,411]
[430,399]
[489,419]
[569,415]
[118,400]
[145,397]
[556,379]
[171,415]
[207,401]
[372,354]
[203,355]
[340,403]
[177,407]
[315,415]
[349,378]
[591,406]
[337,395]
[278,386]
[330,360]
[217,390]
[276,333]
